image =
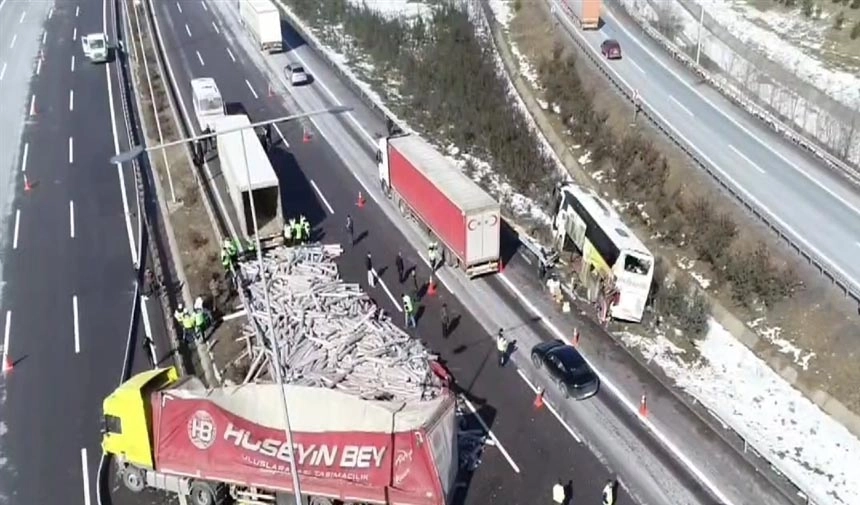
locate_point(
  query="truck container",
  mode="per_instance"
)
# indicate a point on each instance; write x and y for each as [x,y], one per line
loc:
[241,154]
[263,20]
[229,443]
[453,208]
[585,12]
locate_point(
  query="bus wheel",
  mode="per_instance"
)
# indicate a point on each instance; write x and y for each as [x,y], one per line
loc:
[133,479]
[202,493]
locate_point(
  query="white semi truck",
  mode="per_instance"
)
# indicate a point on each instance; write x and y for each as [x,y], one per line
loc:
[263,20]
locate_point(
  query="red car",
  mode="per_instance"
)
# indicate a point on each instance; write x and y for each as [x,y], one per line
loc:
[611,49]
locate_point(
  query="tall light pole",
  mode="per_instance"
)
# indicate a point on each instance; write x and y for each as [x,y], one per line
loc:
[136,151]
[699,35]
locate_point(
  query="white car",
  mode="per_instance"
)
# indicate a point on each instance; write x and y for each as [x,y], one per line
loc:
[95,47]
[296,74]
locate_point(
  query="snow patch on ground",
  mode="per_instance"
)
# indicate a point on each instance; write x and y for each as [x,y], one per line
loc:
[392,9]
[812,449]
[773,334]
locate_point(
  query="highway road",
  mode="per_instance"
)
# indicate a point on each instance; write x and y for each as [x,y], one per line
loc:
[791,187]
[68,273]
[533,448]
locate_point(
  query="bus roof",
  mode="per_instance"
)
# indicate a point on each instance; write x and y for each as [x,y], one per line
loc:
[205,87]
[608,219]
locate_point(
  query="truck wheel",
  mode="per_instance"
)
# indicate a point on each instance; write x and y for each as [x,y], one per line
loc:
[402,206]
[202,493]
[563,388]
[133,479]
[451,259]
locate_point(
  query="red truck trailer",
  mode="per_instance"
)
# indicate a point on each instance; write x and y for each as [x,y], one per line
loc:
[585,12]
[216,444]
[430,188]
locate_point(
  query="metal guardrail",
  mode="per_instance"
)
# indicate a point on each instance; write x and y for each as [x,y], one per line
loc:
[347,77]
[845,284]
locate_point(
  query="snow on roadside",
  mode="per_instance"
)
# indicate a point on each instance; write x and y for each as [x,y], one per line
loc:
[392,9]
[814,451]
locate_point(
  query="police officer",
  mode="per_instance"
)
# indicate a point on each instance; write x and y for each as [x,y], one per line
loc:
[179,313]
[371,277]
[408,311]
[609,492]
[288,234]
[350,230]
[306,229]
[502,347]
[398,262]
[293,230]
[187,325]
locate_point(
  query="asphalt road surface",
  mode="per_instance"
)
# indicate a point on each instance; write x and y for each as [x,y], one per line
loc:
[68,277]
[790,186]
[533,449]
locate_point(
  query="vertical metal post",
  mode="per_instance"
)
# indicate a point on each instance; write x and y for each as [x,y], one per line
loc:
[699,35]
[297,492]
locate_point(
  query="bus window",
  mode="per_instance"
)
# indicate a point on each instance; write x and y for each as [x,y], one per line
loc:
[636,265]
[211,104]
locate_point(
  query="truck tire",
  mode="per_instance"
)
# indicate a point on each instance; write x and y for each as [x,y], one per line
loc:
[404,209]
[133,479]
[202,493]
[451,258]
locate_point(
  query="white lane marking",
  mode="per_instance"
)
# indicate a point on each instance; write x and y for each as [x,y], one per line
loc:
[85,471]
[550,407]
[204,5]
[251,88]
[33,105]
[491,435]
[679,104]
[71,150]
[234,315]
[25,156]
[77,10]
[637,66]
[631,407]
[39,66]
[73,63]
[187,30]
[44,36]
[200,58]
[23,15]
[284,140]
[75,34]
[17,226]
[116,149]
[322,197]
[231,55]
[217,30]
[742,155]
[3,71]
[387,291]
[734,121]
[6,338]
[3,2]
[51,12]
[71,100]
[179,7]
[72,218]
[14,38]
[77,328]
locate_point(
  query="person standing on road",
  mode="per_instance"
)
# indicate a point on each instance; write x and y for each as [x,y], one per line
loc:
[609,492]
[502,347]
[371,276]
[415,279]
[559,495]
[350,230]
[408,311]
[446,322]
[398,262]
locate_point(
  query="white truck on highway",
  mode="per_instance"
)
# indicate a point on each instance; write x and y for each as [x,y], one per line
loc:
[263,20]
[96,47]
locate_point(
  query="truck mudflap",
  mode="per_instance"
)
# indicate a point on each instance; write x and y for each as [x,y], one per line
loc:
[479,269]
[197,437]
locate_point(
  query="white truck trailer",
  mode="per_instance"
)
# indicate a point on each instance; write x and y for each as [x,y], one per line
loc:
[263,20]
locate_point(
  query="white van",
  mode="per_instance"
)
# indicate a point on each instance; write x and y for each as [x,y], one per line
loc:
[95,47]
[208,105]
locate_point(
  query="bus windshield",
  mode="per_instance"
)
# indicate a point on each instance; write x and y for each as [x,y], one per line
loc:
[96,44]
[636,265]
[211,104]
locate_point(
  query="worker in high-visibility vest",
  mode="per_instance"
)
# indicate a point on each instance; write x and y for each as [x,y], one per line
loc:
[609,492]
[293,230]
[408,311]
[187,325]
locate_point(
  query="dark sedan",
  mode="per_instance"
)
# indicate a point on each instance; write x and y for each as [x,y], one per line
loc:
[567,368]
[611,49]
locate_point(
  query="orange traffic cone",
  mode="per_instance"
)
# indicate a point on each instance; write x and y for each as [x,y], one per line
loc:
[8,365]
[538,403]
[431,287]
[643,407]
[306,137]
[360,203]
[27,185]
[501,266]
[576,336]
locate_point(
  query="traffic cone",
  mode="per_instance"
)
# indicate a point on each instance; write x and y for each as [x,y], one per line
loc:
[27,185]
[306,136]
[643,407]
[8,365]
[576,336]
[538,403]
[431,287]
[501,266]
[360,203]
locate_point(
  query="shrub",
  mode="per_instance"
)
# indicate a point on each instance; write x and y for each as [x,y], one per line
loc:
[855,4]
[839,20]
[684,306]
[855,30]
[806,7]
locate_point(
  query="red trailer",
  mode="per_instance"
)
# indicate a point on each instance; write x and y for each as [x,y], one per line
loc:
[453,208]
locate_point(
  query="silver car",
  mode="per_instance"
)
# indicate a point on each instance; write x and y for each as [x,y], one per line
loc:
[296,74]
